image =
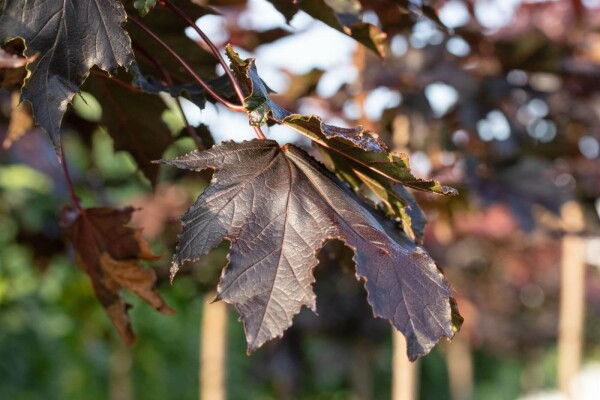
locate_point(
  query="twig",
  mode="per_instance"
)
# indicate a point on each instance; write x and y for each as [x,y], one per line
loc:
[167,77]
[215,52]
[186,66]
[210,44]
[63,161]
[116,81]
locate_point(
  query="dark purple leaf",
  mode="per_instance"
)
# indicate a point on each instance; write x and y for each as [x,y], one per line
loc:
[356,155]
[68,38]
[277,207]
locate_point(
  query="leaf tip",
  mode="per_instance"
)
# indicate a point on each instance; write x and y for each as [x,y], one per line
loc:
[449,191]
[165,309]
[173,271]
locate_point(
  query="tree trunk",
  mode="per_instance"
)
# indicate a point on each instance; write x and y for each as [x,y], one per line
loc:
[361,370]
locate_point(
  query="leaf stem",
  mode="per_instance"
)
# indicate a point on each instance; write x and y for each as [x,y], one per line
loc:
[116,81]
[167,77]
[210,44]
[63,161]
[186,66]
[216,53]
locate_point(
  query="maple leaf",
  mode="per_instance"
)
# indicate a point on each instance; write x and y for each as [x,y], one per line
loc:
[277,207]
[110,253]
[70,38]
[356,155]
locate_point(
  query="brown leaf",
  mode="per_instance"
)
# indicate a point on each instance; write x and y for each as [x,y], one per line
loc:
[110,253]
[21,120]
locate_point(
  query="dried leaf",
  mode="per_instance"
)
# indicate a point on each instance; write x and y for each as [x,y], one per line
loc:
[110,253]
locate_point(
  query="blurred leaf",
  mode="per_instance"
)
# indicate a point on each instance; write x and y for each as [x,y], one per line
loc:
[110,253]
[21,120]
[519,185]
[343,15]
[11,61]
[190,90]
[249,40]
[277,206]
[144,6]
[133,120]
[171,29]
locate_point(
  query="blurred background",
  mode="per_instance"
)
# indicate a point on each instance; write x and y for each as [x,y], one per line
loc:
[497,98]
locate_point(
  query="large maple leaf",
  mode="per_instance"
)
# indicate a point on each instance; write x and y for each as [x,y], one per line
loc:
[70,37]
[356,155]
[277,206]
[110,253]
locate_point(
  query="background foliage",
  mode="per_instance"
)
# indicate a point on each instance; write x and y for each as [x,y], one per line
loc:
[497,99]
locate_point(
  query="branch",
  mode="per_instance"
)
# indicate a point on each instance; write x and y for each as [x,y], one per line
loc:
[167,77]
[76,201]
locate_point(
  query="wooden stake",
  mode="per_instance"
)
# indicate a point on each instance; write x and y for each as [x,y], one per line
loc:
[572,298]
[213,350]
[460,368]
[404,373]
[120,387]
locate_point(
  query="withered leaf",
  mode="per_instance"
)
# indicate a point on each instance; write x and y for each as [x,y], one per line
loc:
[277,207]
[70,38]
[110,253]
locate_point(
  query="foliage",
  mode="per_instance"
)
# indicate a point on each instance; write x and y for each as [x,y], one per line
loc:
[517,138]
[269,275]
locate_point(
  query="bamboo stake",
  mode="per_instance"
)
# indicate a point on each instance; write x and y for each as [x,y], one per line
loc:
[213,350]
[404,373]
[120,387]
[572,298]
[460,368]
[361,371]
